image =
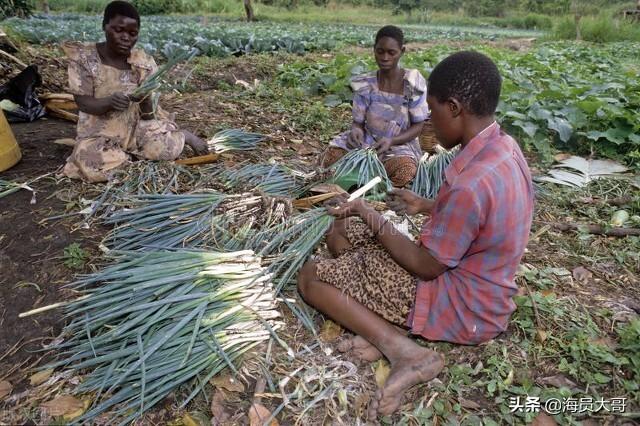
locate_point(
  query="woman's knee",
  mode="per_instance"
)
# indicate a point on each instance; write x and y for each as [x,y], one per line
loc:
[306,276]
[337,240]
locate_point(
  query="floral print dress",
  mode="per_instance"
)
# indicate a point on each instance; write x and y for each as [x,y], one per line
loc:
[105,142]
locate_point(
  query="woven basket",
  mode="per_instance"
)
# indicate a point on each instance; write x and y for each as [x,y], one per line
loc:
[428,139]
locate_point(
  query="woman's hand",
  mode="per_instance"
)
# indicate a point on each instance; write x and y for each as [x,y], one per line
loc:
[403,201]
[356,137]
[198,146]
[383,145]
[119,101]
[343,208]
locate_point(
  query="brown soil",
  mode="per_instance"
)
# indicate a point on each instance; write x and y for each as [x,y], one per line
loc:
[31,251]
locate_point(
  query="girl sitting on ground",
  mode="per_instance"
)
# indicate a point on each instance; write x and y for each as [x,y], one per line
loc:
[389,110]
[457,283]
[113,125]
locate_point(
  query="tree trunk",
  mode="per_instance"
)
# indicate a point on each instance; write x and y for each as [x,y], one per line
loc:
[248,8]
[576,18]
[45,7]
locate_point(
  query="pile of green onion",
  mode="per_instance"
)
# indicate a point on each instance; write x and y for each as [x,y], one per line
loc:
[359,166]
[234,140]
[430,174]
[155,320]
[198,220]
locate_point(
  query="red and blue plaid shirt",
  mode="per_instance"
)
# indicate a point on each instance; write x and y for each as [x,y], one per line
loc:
[479,228]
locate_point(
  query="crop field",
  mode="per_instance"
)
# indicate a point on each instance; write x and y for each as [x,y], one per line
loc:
[219,38]
[581,98]
[167,295]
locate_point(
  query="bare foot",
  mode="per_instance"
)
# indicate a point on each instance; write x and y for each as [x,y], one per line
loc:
[417,365]
[360,348]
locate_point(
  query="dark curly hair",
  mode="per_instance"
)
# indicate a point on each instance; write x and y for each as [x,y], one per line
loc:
[390,31]
[470,77]
[121,8]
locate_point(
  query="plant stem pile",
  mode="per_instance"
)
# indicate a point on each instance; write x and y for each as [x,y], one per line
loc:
[198,220]
[234,140]
[358,167]
[430,174]
[155,320]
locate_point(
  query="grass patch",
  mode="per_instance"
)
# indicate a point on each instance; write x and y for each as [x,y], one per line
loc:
[602,28]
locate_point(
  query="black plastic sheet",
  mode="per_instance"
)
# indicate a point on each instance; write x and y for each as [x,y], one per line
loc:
[21,91]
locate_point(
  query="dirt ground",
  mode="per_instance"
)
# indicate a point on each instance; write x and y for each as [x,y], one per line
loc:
[31,251]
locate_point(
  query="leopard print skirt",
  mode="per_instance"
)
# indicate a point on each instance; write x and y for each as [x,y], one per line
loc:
[367,273]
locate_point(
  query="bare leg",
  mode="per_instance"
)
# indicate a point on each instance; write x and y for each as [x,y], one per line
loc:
[337,240]
[361,349]
[410,363]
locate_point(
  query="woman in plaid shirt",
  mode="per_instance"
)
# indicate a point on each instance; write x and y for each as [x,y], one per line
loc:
[457,283]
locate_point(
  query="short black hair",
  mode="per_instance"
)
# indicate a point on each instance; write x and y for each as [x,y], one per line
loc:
[121,8]
[390,31]
[470,77]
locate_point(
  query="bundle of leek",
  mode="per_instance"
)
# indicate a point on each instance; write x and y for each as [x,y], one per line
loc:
[358,167]
[288,245]
[8,187]
[430,174]
[272,179]
[233,140]
[156,320]
[143,177]
[208,219]
[154,81]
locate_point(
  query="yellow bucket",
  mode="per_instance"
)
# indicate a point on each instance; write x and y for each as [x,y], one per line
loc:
[9,150]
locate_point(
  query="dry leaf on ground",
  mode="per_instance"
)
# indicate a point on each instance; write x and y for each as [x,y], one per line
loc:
[361,403]
[195,419]
[217,406]
[63,405]
[381,368]
[582,274]
[541,336]
[258,414]
[227,382]
[557,381]
[330,331]
[469,404]
[543,419]
[5,388]
[40,377]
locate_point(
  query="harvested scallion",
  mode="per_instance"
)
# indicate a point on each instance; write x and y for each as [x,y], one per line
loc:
[153,321]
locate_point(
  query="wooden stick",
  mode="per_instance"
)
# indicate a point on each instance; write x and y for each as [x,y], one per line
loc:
[202,159]
[60,113]
[314,199]
[594,229]
[61,104]
[13,58]
[57,96]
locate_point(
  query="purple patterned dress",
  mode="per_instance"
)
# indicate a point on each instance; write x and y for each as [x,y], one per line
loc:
[388,114]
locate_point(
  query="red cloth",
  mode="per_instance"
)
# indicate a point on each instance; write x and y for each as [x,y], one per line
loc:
[479,228]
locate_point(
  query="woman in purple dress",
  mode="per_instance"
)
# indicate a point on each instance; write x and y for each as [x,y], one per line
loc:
[389,110]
